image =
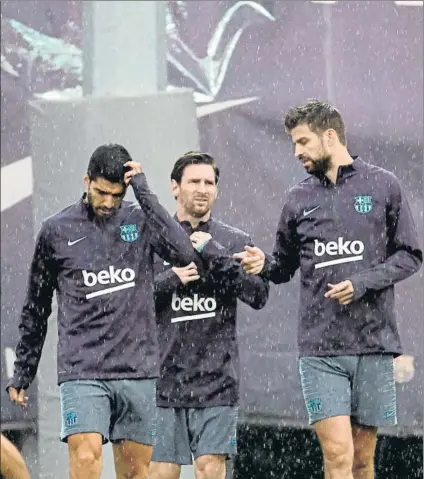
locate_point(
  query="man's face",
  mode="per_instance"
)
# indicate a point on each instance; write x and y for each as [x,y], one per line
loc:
[311,149]
[104,197]
[197,191]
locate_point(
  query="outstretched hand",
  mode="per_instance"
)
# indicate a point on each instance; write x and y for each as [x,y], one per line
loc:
[252,259]
[342,292]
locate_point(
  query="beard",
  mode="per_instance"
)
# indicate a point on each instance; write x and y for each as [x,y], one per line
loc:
[100,212]
[198,211]
[320,166]
[198,208]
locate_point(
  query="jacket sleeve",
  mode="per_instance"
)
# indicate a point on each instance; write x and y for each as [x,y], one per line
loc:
[404,256]
[231,277]
[166,283]
[169,240]
[35,312]
[281,266]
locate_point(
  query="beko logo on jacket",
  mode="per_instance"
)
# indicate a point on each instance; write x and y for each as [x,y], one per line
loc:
[205,307]
[122,278]
[349,250]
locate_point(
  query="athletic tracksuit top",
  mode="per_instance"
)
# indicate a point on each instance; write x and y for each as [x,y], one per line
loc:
[102,271]
[359,229]
[199,361]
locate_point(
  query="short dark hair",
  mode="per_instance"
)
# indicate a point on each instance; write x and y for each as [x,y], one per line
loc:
[107,161]
[193,158]
[319,115]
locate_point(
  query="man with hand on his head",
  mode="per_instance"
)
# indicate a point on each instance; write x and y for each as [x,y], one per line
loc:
[97,254]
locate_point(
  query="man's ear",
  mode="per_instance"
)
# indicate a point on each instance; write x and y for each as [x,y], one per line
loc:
[86,180]
[332,137]
[175,188]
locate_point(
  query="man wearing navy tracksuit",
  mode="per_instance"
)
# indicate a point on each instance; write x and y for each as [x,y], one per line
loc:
[196,307]
[349,229]
[97,254]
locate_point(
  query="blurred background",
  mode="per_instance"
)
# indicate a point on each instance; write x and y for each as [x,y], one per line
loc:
[167,77]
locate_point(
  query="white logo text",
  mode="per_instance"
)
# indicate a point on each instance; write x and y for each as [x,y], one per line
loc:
[352,251]
[205,306]
[124,278]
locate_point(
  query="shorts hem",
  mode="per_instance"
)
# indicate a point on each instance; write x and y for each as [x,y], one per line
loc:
[227,454]
[370,423]
[327,416]
[181,462]
[142,441]
[64,437]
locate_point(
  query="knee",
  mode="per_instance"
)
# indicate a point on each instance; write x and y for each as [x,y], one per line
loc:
[338,457]
[87,458]
[363,462]
[85,455]
[210,467]
[163,470]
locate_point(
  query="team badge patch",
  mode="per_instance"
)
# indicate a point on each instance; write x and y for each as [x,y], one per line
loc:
[129,233]
[314,405]
[363,204]
[71,418]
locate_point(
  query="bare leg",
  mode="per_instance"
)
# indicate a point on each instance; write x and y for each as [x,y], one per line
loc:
[85,456]
[364,444]
[12,463]
[132,460]
[210,466]
[335,437]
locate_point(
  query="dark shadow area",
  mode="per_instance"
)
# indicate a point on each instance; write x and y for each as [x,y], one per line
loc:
[292,453]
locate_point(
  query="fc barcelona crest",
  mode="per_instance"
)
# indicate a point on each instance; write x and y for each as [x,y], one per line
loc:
[129,233]
[363,204]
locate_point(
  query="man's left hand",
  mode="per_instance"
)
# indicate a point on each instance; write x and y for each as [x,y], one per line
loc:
[199,239]
[342,292]
[135,170]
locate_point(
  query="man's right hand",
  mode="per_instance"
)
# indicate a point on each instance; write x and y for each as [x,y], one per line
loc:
[18,398]
[135,170]
[252,259]
[187,273]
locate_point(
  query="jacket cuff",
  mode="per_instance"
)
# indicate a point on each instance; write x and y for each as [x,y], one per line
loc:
[267,266]
[359,288]
[167,281]
[14,383]
[142,192]
[139,181]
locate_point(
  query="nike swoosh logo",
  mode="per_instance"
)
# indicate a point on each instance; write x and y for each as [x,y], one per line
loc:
[389,414]
[165,263]
[308,212]
[70,243]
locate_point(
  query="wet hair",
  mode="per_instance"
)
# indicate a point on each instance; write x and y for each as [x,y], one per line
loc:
[107,161]
[319,116]
[193,158]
